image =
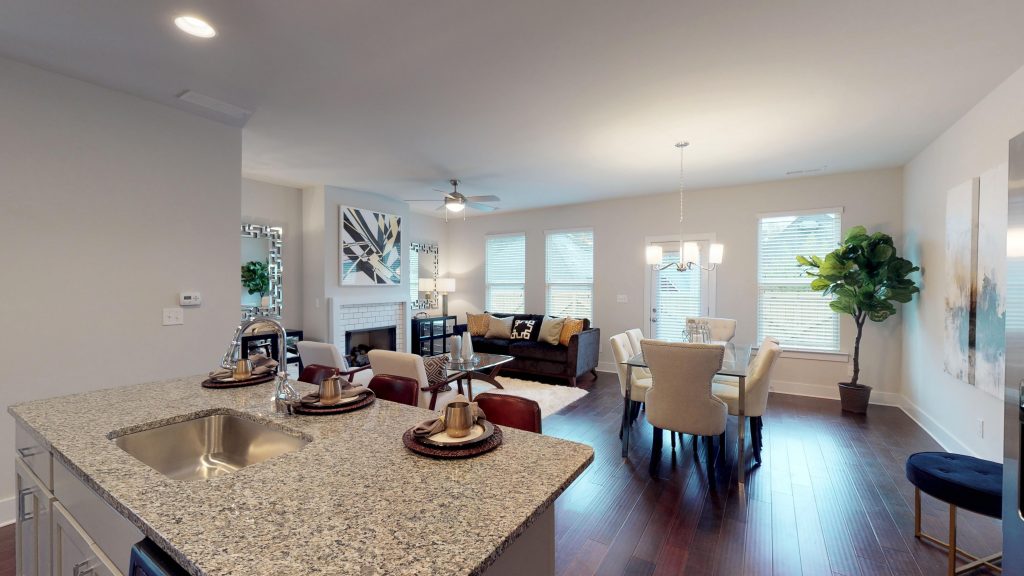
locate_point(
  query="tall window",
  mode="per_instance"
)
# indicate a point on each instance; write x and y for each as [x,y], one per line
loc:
[569,272]
[506,273]
[787,308]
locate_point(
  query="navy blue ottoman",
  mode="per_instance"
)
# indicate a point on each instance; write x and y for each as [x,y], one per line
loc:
[963,482]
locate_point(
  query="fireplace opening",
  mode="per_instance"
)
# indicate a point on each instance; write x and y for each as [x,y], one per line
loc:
[358,343]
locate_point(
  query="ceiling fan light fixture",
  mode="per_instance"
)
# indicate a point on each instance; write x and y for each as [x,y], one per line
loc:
[454,205]
[195,26]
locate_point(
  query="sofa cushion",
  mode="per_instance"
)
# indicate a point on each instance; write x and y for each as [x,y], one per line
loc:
[550,330]
[491,345]
[477,323]
[499,328]
[526,327]
[538,351]
[571,328]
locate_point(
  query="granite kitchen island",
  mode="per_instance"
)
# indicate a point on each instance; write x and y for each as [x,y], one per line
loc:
[352,501]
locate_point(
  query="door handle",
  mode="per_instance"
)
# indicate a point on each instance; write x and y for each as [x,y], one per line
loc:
[23,511]
[82,569]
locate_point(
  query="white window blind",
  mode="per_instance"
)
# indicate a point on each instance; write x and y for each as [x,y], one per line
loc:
[787,308]
[569,273]
[414,275]
[506,273]
[678,296]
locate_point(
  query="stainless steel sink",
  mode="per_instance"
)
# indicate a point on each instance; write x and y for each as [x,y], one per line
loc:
[208,446]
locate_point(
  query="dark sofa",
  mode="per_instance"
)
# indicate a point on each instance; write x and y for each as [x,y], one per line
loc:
[568,362]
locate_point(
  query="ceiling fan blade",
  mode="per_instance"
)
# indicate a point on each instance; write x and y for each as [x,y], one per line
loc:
[421,200]
[439,208]
[488,198]
[481,207]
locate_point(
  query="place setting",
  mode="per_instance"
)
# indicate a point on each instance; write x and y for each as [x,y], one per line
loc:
[256,369]
[462,431]
[335,396]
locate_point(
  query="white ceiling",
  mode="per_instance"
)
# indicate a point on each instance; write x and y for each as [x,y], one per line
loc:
[546,101]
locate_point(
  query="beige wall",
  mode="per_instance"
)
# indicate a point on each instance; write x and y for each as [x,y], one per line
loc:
[321,206]
[111,205]
[274,205]
[620,227]
[948,408]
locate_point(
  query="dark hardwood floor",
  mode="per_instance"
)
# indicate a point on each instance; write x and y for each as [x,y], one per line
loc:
[830,498]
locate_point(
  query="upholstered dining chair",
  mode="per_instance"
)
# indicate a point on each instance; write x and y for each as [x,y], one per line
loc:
[758,384]
[511,411]
[411,366]
[635,335]
[326,354]
[315,373]
[395,389]
[622,351]
[681,401]
[722,329]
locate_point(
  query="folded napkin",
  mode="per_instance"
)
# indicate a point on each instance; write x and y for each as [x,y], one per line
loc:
[433,426]
[261,365]
[349,392]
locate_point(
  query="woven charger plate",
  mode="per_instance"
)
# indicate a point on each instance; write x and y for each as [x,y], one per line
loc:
[413,443]
[262,378]
[308,410]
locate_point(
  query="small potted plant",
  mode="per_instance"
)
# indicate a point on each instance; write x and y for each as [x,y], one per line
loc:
[256,278]
[864,276]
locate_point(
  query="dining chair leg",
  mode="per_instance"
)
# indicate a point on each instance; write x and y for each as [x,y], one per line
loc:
[672,435]
[721,446]
[708,455]
[652,468]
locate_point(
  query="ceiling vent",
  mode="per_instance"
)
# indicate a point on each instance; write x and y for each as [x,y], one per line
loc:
[807,171]
[234,113]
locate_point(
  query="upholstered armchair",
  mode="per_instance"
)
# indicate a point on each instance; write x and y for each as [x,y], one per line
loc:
[681,401]
[758,384]
[722,329]
[325,354]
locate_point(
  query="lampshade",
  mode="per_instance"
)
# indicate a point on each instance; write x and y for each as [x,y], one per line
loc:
[691,252]
[654,254]
[446,285]
[717,250]
[426,284]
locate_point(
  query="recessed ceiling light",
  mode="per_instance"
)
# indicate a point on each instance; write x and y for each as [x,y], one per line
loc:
[195,26]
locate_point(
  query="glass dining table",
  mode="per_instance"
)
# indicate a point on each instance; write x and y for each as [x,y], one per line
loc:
[734,363]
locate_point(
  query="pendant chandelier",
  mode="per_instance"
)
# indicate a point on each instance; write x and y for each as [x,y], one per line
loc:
[689,252]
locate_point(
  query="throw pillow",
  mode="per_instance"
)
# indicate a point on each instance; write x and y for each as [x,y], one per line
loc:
[477,323]
[526,327]
[499,328]
[571,328]
[551,330]
[435,369]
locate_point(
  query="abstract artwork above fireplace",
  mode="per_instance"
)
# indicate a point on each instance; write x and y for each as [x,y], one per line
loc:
[371,248]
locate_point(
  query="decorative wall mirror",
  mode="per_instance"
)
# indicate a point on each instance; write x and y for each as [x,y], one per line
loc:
[261,271]
[423,264]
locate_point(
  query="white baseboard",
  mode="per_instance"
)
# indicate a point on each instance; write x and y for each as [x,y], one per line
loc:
[606,367]
[831,392]
[937,431]
[7,511]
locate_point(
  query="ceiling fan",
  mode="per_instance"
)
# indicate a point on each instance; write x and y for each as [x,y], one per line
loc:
[456,201]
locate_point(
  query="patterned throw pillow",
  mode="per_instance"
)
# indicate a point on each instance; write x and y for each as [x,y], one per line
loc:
[477,323]
[526,327]
[551,330]
[499,328]
[571,328]
[435,368]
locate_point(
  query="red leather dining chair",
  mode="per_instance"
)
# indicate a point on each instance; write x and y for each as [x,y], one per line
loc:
[511,411]
[315,373]
[395,388]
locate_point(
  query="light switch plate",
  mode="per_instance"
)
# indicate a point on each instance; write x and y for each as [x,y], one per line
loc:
[622,299]
[173,316]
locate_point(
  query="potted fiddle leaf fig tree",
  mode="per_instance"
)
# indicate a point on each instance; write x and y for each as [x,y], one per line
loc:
[864,276]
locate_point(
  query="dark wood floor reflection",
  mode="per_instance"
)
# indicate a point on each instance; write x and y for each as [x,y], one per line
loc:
[830,498]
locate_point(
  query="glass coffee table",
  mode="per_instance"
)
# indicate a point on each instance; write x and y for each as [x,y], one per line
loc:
[484,367]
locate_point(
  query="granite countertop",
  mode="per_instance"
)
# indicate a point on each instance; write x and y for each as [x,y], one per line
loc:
[353,501]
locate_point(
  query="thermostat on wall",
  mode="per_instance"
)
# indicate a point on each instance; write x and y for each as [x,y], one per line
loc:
[189,299]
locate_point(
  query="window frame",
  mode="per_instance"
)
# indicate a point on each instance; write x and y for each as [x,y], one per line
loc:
[487,285]
[548,284]
[836,354]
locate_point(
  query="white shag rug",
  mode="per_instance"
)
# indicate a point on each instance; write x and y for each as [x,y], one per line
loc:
[551,397]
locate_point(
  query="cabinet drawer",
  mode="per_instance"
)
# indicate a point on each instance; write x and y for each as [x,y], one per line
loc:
[74,553]
[110,531]
[32,523]
[35,455]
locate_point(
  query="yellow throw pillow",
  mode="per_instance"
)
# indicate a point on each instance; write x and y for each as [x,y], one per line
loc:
[571,327]
[477,323]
